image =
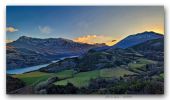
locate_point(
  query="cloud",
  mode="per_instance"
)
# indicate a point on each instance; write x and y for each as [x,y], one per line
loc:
[8,41]
[92,39]
[44,29]
[110,43]
[11,29]
[86,39]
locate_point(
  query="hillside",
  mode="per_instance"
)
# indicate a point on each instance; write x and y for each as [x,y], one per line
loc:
[151,49]
[51,46]
[151,45]
[20,57]
[27,51]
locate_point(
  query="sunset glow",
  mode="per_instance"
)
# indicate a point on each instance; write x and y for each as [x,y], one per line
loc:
[93,39]
[84,24]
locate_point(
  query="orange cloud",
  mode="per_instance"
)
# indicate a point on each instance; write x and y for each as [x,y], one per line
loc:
[110,43]
[8,41]
[92,39]
[11,29]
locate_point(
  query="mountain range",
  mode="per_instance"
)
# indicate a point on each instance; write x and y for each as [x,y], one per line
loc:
[94,60]
[28,51]
[50,46]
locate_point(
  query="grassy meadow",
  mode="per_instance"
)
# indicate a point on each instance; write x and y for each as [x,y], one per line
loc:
[82,79]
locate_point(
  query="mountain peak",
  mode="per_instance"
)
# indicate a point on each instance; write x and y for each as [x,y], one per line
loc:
[134,39]
[24,37]
[63,39]
[148,32]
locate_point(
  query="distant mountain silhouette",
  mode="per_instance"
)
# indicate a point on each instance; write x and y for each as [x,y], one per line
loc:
[135,39]
[28,51]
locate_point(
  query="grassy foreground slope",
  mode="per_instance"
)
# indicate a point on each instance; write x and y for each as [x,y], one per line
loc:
[35,77]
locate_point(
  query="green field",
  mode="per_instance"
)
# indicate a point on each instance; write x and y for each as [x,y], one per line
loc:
[115,72]
[140,63]
[35,77]
[83,78]
[80,79]
[162,75]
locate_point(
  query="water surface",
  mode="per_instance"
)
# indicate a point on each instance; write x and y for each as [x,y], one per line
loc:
[33,68]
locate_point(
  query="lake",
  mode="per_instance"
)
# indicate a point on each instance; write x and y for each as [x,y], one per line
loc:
[33,68]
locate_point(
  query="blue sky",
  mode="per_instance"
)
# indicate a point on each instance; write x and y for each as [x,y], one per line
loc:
[73,22]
